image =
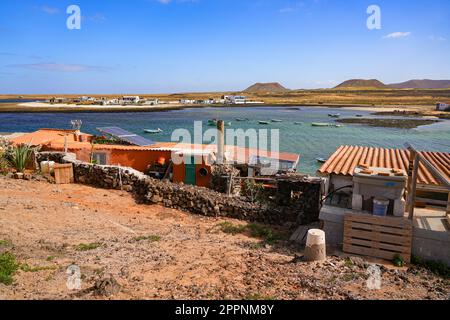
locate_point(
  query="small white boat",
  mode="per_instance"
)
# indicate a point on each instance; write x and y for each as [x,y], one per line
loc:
[159,130]
[320,124]
[334,115]
[276,120]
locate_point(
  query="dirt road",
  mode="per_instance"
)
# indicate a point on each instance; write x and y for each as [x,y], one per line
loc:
[159,253]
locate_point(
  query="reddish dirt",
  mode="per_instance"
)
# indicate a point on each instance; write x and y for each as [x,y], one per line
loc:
[42,225]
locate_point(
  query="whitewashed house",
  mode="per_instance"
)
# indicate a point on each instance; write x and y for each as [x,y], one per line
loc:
[130,99]
[442,106]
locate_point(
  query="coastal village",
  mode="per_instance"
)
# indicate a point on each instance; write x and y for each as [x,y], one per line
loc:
[366,206]
[138,101]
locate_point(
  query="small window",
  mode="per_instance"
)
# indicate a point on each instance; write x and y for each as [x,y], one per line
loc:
[203,172]
[99,158]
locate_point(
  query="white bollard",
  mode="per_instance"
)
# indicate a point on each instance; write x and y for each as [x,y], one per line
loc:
[315,246]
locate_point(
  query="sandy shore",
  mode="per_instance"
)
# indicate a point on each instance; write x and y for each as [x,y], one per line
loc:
[47,107]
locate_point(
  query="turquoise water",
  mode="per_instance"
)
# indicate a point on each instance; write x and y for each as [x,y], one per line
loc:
[310,142]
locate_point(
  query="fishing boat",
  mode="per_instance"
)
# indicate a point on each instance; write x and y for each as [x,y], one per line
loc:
[276,120]
[263,122]
[321,160]
[334,115]
[151,131]
[321,124]
[213,123]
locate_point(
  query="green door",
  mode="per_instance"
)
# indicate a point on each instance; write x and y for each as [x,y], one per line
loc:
[189,177]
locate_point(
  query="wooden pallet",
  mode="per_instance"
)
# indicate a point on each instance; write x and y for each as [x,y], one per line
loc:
[63,173]
[379,237]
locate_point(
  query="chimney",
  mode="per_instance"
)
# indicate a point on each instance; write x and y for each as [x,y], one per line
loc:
[220,141]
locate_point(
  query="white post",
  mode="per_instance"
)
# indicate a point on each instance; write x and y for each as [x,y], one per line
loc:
[315,246]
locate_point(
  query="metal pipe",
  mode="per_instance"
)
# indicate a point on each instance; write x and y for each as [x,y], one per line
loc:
[220,141]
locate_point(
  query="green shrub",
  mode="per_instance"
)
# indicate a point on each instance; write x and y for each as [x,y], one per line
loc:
[20,156]
[398,261]
[88,246]
[255,230]
[436,267]
[230,228]
[8,266]
[150,238]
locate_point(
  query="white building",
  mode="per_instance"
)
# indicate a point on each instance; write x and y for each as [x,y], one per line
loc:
[187,101]
[151,102]
[130,99]
[235,99]
[442,107]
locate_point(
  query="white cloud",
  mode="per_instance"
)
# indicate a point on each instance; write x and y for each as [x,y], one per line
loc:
[397,35]
[60,67]
[437,38]
[50,10]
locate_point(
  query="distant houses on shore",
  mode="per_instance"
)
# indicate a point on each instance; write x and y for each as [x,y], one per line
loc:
[139,101]
[442,106]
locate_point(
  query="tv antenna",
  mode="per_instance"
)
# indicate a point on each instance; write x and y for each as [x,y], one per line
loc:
[76,124]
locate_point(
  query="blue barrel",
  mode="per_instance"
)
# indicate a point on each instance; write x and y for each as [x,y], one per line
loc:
[380,207]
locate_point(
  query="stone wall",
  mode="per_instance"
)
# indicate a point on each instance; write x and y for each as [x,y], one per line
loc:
[193,199]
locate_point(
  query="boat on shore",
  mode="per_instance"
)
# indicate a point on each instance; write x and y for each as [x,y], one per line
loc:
[152,131]
[321,124]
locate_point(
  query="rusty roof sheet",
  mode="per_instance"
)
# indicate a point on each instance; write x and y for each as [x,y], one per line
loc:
[347,158]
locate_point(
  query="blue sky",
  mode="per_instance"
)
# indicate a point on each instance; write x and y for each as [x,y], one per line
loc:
[151,46]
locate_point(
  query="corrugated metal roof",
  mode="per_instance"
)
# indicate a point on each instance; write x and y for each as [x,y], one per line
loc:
[347,158]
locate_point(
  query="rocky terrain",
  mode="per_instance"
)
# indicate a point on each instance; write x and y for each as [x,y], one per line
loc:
[129,251]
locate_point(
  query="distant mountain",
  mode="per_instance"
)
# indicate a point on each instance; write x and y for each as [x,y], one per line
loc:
[422,84]
[361,83]
[266,87]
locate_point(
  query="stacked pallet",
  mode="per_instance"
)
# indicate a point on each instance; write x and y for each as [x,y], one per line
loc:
[379,237]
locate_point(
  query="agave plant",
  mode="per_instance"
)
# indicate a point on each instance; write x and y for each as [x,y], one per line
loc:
[4,164]
[20,157]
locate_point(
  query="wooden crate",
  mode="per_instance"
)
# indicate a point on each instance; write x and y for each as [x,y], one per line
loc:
[63,173]
[379,237]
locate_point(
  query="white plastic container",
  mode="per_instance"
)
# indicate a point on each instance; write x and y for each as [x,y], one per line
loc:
[47,167]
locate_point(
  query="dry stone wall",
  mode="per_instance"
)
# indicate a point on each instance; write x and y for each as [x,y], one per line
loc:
[193,199]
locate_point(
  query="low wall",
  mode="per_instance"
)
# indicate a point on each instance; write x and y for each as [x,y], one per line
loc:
[193,199]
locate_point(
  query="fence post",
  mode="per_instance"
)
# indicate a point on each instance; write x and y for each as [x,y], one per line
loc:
[412,182]
[448,209]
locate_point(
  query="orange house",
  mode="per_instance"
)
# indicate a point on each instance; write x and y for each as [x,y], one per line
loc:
[191,163]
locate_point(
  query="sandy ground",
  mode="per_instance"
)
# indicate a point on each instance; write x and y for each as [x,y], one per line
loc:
[43,223]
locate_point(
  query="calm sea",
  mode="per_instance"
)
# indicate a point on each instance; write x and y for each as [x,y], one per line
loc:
[310,142]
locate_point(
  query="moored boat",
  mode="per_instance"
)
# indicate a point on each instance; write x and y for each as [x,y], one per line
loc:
[334,115]
[276,120]
[263,122]
[321,124]
[151,131]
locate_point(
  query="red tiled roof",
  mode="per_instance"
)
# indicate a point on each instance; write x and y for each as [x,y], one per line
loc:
[347,158]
